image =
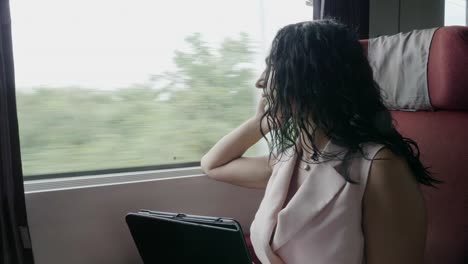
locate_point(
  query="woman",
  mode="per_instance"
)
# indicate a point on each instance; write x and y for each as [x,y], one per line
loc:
[341,183]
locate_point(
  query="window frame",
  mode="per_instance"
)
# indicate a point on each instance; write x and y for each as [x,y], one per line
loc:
[49,176]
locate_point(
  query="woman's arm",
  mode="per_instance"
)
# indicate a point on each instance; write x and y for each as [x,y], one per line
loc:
[224,161]
[394,214]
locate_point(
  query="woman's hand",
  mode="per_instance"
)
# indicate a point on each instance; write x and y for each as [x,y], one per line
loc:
[262,108]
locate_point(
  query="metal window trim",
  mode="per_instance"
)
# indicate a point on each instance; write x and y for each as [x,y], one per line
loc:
[99,180]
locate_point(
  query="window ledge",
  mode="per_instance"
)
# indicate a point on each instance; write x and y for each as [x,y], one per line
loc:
[58,184]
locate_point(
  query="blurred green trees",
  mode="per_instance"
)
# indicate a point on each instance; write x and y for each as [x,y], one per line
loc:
[173,117]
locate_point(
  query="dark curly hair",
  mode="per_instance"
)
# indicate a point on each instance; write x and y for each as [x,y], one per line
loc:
[319,79]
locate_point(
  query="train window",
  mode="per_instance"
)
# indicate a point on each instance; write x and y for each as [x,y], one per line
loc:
[456,12]
[110,84]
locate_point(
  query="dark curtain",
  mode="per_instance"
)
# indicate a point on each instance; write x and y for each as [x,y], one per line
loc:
[355,14]
[15,245]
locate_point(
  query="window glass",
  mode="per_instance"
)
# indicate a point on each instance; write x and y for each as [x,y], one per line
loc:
[455,12]
[106,84]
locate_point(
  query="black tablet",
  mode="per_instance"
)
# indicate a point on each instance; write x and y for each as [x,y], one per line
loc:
[163,237]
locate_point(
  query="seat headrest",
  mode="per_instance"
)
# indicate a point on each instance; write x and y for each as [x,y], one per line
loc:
[448,68]
[447,73]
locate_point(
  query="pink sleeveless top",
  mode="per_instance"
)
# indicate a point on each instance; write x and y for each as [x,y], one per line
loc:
[312,216]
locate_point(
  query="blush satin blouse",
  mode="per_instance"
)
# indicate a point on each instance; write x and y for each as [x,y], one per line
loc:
[313,215]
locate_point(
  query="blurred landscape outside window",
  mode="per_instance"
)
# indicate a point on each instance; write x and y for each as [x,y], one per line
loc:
[109,84]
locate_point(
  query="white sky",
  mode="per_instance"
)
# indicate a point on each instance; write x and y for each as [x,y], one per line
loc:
[107,44]
[455,12]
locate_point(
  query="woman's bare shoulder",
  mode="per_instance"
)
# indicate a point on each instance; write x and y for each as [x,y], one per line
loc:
[393,212]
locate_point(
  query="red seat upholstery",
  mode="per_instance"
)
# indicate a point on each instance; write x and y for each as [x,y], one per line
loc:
[442,136]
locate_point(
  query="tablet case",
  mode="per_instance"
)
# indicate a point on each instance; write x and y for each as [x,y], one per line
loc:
[164,237]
